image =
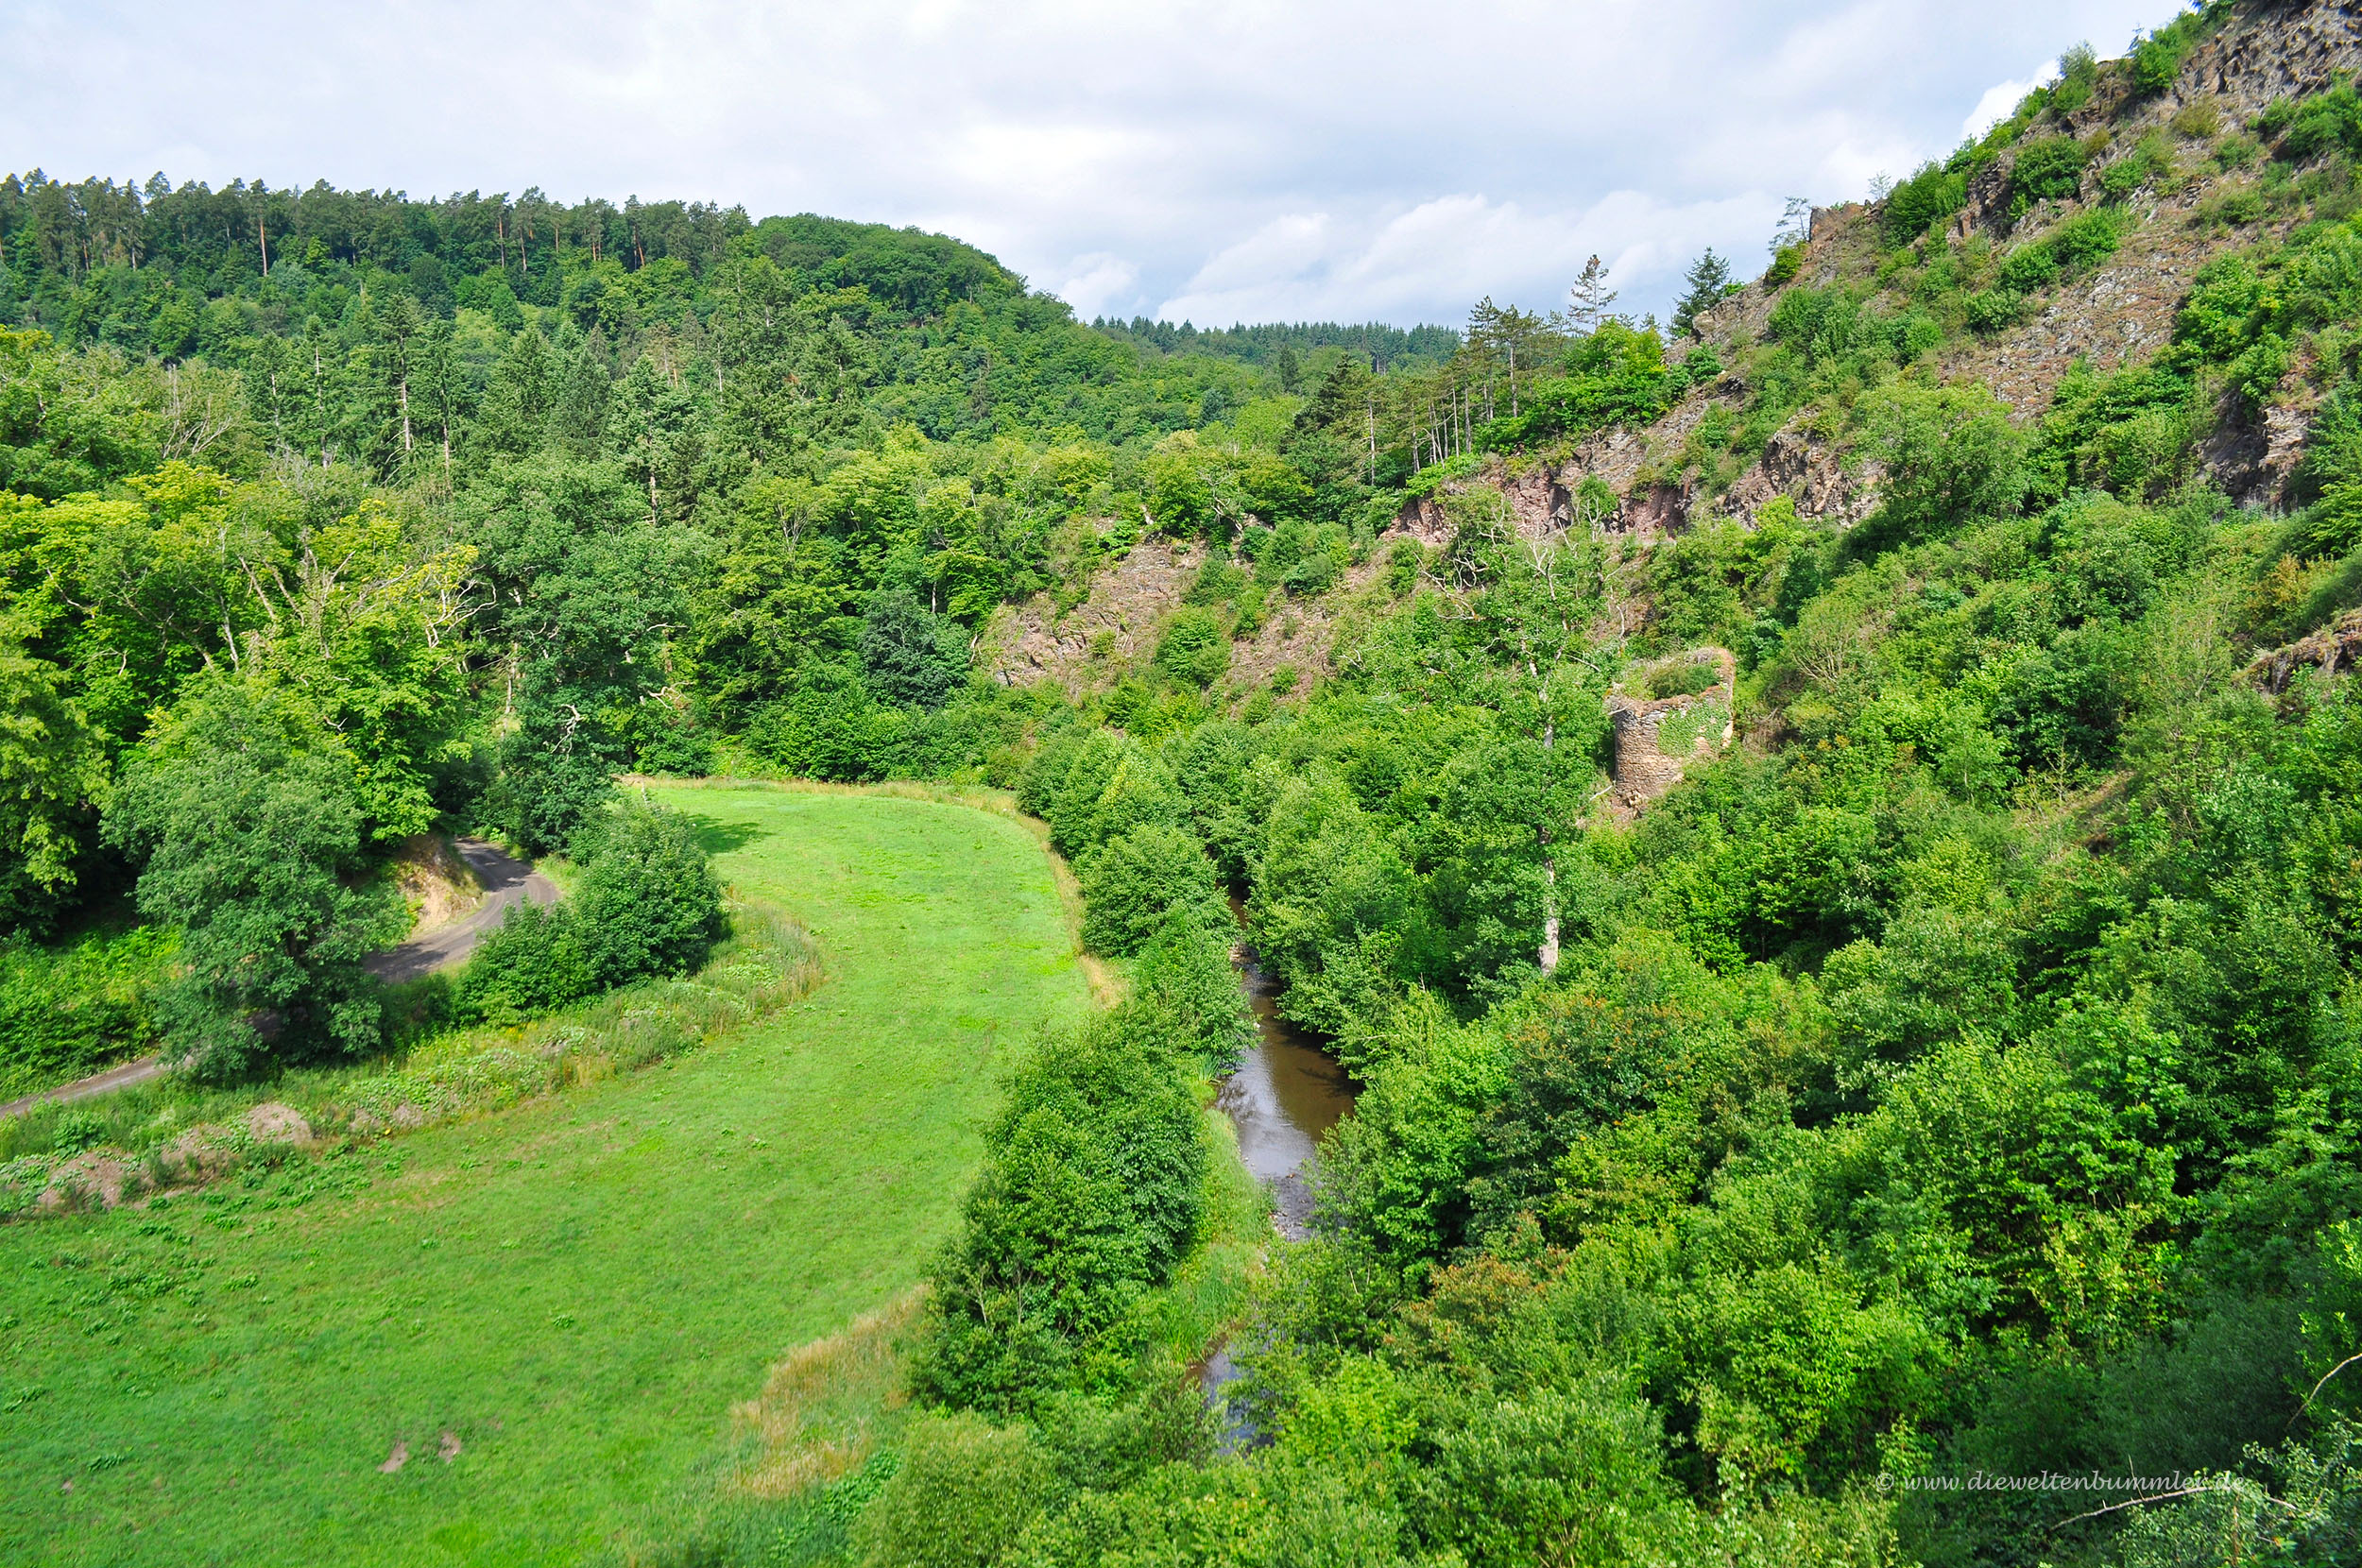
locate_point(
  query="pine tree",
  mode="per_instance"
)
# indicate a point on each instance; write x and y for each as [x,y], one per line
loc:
[1589,299]
[516,404]
[1709,282]
[579,419]
[442,389]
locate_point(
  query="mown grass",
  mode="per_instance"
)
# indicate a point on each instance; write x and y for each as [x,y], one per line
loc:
[576,1288]
[824,1432]
[170,1131]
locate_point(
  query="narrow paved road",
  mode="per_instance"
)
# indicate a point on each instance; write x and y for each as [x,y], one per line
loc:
[97,1084]
[507,882]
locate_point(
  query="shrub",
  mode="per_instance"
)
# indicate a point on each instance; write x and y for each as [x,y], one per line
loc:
[649,893]
[2317,125]
[1194,648]
[1994,309]
[1092,788]
[1952,459]
[2048,166]
[1685,680]
[1931,194]
[2156,61]
[1787,262]
[2086,239]
[537,960]
[1091,1191]
[1132,881]
[1185,978]
[2029,267]
[1555,1477]
[648,905]
[2148,160]
[963,1494]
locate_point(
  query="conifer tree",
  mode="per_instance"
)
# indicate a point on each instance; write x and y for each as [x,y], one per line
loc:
[1589,299]
[1708,282]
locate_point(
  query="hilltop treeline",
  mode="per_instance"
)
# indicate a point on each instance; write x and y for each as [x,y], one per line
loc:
[1383,346]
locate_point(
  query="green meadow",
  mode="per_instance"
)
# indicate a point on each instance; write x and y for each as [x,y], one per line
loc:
[566,1297]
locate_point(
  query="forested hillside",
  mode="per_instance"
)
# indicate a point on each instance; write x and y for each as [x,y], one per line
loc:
[1828,830]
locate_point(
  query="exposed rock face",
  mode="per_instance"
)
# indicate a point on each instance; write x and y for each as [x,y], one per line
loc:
[1128,608]
[2334,647]
[1127,605]
[2272,51]
[1656,739]
[1809,473]
[1794,465]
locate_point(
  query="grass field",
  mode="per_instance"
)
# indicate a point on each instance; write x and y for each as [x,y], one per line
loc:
[574,1290]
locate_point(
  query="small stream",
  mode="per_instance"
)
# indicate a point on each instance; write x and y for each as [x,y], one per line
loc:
[1286,1093]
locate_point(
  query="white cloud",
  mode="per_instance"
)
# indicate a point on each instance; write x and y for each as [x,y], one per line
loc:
[1390,265]
[1102,284]
[1331,157]
[2002,98]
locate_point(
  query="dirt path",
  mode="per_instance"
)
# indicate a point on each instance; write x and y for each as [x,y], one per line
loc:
[507,882]
[83,1089]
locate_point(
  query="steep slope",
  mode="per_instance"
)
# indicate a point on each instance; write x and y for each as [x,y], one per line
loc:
[2177,172]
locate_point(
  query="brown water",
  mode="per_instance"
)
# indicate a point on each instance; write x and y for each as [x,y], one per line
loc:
[1286,1093]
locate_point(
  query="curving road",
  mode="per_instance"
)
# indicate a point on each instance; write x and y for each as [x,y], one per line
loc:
[507,882]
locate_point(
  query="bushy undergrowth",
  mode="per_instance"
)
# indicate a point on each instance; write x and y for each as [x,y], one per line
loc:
[173,1132]
[647,904]
[1092,1194]
[66,1012]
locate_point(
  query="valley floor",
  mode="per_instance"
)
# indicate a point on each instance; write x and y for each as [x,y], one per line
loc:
[566,1298]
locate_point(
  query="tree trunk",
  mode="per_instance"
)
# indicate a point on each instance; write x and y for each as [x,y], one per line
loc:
[1549,955]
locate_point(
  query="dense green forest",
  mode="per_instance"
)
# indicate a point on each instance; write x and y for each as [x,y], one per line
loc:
[1951,1081]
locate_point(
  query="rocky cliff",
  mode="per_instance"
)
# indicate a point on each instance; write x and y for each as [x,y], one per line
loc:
[2117,314]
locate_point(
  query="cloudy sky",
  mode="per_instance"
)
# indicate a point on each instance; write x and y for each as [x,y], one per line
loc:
[1216,161]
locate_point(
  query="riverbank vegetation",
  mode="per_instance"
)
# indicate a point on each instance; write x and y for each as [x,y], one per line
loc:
[1948,1074]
